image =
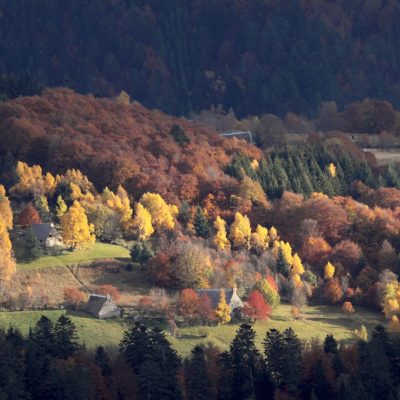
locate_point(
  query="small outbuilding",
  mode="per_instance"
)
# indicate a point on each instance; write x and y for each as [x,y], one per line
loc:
[47,235]
[231,296]
[102,307]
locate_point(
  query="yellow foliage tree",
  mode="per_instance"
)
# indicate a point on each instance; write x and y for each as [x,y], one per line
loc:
[220,239]
[76,231]
[160,211]
[260,238]
[78,195]
[287,252]
[297,266]
[42,205]
[32,181]
[223,311]
[61,207]
[119,203]
[254,164]
[142,223]
[240,231]
[332,170]
[394,324]
[296,278]
[7,264]
[329,270]
[273,234]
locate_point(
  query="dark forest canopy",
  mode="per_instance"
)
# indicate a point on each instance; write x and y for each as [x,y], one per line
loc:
[50,364]
[186,55]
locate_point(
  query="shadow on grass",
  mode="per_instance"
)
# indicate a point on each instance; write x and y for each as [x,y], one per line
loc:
[79,314]
[191,336]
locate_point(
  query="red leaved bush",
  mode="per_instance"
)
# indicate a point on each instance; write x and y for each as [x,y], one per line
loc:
[256,307]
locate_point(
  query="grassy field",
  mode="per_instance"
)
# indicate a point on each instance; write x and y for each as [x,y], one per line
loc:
[96,252]
[92,332]
[318,322]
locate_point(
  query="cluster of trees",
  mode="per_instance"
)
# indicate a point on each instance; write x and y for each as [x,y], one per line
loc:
[116,144]
[308,168]
[51,364]
[254,57]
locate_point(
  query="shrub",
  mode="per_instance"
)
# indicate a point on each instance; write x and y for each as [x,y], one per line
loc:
[141,252]
[361,334]
[347,307]
[74,297]
[111,290]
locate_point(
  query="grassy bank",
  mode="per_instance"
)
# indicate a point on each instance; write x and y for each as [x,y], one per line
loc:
[317,323]
[97,252]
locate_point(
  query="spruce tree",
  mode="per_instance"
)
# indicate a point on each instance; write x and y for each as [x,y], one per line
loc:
[274,356]
[201,224]
[244,359]
[43,336]
[282,266]
[32,246]
[103,361]
[66,338]
[197,380]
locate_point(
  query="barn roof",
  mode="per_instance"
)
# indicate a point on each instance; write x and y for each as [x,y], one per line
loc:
[96,303]
[42,231]
[213,295]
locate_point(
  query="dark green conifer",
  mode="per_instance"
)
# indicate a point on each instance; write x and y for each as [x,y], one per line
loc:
[201,224]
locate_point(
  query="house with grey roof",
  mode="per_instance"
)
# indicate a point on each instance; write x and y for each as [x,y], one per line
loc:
[232,299]
[102,307]
[47,235]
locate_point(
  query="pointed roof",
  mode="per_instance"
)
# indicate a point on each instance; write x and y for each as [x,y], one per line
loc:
[42,231]
[213,295]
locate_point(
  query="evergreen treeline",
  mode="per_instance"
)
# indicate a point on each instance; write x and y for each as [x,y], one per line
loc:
[12,86]
[50,365]
[186,55]
[306,169]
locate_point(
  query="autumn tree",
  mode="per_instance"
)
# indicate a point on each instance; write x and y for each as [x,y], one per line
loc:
[161,214]
[267,287]
[28,216]
[61,207]
[222,311]
[188,303]
[109,290]
[260,239]
[240,231]
[329,271]
[191,266]
[297,266]
[7,265]
[333,292]
[256,307]
[73,296]
[142,223]
[220,239]
[76,231]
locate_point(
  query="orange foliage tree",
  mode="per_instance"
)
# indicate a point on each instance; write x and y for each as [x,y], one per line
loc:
[28,216]
[256,307]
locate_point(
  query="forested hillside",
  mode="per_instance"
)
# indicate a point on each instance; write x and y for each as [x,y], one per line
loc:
[186,55]
[116,144]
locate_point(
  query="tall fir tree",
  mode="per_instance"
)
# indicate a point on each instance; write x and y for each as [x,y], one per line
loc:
[201,224]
